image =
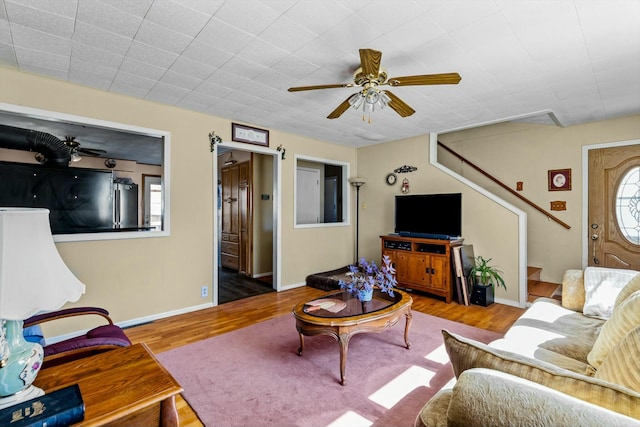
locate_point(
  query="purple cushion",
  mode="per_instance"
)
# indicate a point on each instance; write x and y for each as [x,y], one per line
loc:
[102,335]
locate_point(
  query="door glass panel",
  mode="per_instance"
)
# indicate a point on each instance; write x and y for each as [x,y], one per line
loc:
[628,206]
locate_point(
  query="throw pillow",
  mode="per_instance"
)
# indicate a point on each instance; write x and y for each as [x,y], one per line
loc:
[625,318]
[465,354]
[484,397]
[631,287]
[602,286]
[622,365]
[573,290]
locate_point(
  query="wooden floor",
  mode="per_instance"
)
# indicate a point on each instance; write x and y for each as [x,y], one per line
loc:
[233,286]
[165,334]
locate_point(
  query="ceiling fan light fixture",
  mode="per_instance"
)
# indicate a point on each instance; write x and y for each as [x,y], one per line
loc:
[356,100]
[75,157]
[368,107]
[230,160]
[384,99]
[372,96]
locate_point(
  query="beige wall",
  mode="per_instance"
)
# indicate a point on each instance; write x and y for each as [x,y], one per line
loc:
[136,278]
[262,215]
[525,152]
[491,229]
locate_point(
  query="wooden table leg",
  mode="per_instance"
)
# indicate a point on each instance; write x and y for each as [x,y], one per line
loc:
[169,413]
[407,325]
[301,348]
[343,339]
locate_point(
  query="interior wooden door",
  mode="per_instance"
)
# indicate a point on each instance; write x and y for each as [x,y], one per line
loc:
[230,246]
[614,207]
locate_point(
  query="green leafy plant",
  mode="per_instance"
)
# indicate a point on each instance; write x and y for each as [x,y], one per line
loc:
[366,275]
[487,275]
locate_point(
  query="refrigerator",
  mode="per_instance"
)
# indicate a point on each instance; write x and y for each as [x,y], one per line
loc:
[125,203]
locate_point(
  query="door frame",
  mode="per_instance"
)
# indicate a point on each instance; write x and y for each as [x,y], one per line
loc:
[585,191]
[277,208]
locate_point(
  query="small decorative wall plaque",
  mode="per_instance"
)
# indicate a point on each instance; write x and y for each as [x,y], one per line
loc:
[405,169]
[560,180]
[251,135]
[559,205]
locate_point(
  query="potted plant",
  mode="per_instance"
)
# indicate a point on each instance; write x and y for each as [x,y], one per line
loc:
[486,275]
[366,276]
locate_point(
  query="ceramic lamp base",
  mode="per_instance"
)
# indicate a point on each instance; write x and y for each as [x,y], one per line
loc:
[26,394]
[20,362]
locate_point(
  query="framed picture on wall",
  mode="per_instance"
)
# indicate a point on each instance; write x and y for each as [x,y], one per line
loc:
[559,180]
[250,135]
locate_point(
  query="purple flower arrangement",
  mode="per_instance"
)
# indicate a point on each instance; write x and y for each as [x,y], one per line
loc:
[366,276]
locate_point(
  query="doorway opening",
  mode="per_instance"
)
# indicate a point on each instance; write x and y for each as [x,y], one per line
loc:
[247,204]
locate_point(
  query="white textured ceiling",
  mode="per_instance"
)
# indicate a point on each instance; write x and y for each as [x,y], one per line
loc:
[573,61]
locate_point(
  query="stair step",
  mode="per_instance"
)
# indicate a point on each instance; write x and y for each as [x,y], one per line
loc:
[533,273]
[537,288]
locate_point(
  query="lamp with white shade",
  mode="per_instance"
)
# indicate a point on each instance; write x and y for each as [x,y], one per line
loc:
[33,278]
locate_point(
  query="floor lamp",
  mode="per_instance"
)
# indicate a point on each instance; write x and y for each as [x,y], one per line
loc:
[357,182]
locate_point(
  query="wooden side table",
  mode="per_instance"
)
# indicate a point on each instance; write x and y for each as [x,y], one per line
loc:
[122,387]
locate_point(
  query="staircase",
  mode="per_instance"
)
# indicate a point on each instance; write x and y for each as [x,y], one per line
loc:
[537,288]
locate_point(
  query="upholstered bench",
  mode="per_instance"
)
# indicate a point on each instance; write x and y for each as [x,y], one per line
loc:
[328,280]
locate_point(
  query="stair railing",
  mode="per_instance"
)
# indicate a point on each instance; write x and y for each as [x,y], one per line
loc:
[506,187]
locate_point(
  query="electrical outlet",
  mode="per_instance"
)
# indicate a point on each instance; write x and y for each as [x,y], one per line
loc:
[204,291]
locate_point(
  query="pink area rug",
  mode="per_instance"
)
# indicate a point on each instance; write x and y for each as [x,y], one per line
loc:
[254,377]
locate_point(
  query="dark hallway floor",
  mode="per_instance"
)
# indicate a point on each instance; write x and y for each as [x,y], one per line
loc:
[233,286]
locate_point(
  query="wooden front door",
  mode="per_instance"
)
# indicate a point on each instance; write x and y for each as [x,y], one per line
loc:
[614,207]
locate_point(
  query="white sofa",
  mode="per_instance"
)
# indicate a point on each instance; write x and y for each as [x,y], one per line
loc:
[575,363]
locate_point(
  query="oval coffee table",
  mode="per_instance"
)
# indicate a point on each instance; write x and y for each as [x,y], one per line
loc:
[377,315]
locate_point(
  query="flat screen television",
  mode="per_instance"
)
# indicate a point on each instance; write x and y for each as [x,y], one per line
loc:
[434,216]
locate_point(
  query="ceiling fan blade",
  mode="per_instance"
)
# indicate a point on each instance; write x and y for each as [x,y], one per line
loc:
[341,109]
[399,106]
[426,79]
[370,62]
[301,88]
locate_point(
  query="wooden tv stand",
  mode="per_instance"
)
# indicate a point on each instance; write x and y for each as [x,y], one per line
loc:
[422,264]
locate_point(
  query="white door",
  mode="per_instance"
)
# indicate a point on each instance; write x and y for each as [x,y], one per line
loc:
[152,201]
[308,196]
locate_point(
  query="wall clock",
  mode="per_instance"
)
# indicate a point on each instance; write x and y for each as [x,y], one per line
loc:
[391,178]
[560,180]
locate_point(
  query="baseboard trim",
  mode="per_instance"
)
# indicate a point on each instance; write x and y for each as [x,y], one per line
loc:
[292,286]
[256,276]
[135,322]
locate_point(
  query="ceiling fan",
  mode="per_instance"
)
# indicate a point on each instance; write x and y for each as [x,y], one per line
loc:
[370,76]
[76,150]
